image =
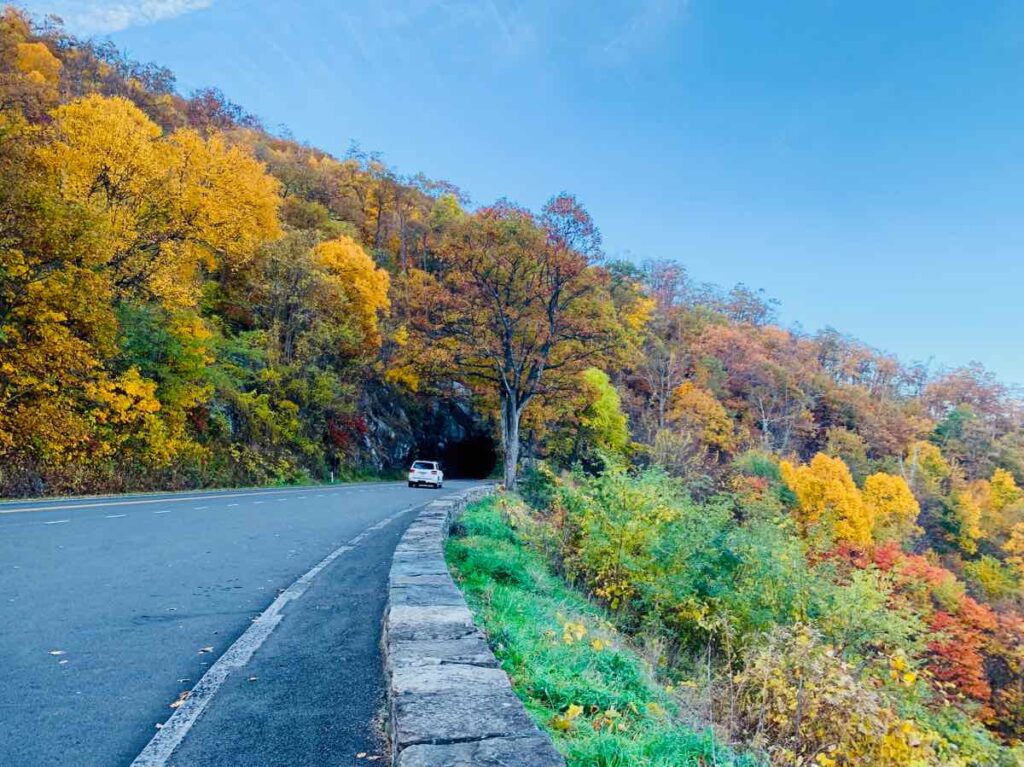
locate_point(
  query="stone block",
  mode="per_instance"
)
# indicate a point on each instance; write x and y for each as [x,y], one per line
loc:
[493,752]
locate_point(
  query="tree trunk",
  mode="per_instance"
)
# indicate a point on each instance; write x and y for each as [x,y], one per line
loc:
[510,440]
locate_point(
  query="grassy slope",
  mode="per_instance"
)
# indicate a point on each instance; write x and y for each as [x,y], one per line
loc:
[562,654]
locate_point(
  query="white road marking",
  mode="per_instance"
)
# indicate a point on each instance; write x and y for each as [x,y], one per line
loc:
[164,511]
[150,501]
[199,508]
[232,505]
[115,516]
[257,503]
[57,522]
[160,748]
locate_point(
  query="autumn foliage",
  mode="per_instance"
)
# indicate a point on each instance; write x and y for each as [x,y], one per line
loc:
[833,537]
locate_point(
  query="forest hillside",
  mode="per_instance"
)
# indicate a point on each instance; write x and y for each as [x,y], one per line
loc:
[189,300]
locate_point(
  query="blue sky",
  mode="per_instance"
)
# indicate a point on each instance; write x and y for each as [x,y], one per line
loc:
[861,161]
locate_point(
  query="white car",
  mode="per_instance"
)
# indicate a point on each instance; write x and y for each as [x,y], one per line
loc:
[426,473]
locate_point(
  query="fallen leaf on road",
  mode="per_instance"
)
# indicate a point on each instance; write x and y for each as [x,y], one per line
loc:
[61,662]
[361,755]
[203,650]
[181,699]
[57,652]
[253,678]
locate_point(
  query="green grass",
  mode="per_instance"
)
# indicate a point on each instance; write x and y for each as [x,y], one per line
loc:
[627,719]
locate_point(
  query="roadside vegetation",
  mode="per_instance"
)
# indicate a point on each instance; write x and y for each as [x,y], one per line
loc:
[580,680]
[784,644]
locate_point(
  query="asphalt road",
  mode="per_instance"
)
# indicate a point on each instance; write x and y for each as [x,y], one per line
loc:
[111,608]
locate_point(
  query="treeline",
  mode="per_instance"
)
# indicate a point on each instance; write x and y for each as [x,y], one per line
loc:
[188,299]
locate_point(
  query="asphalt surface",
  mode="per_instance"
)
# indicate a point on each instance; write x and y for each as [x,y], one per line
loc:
[111,608]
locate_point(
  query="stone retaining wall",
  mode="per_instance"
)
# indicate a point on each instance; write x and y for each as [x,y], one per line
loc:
[450,705]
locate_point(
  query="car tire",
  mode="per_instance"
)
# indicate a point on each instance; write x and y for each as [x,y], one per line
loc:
[412,484]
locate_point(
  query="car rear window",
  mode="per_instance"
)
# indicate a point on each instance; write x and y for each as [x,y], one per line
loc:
[423,465]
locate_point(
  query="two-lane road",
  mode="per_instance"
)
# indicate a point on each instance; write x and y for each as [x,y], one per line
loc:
[110,608]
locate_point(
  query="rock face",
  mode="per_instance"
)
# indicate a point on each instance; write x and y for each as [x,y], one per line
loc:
[401,428]
[450,704]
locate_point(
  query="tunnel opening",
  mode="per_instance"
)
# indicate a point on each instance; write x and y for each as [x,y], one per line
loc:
[473,457]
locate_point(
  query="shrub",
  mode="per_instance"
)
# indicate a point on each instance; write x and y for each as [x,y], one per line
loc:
[801,703]
[537,486]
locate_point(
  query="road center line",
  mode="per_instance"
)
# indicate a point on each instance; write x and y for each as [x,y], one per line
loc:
[115,516]
[160,748]
[164,511]
[4,509]
[57,522]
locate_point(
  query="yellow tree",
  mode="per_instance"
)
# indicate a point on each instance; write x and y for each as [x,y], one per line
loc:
[352,275]
[1014,548]
[56,322]
[994,505]
[891,505]
[166,207]
[696,431]
[99,209]
[1005,493]
[36,61]
[969,504]
[826,494]
[926,468]
[29,71]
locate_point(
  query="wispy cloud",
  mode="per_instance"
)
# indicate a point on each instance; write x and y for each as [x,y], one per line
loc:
[90,17]
[649,20]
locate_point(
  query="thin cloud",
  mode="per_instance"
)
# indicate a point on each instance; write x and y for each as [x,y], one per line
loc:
[90,17]
[648,22]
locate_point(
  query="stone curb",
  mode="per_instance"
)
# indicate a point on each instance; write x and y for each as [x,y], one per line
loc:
[449,704]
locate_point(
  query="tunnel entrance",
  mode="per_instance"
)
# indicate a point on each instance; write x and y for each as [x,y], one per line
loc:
[449,430]
[472,458]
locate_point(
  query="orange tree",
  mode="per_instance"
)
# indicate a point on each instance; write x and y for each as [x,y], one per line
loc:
[517,309]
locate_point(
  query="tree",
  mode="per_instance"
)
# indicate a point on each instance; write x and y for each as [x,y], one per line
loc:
[1014,548]
[107,221]
[826,493]
[349,272]
[851,447]
[167,207]
[696,413]
[891,505]
[522,309]
[584,427]
[925,468]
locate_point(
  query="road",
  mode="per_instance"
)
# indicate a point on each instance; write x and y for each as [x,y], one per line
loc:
[111,608]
